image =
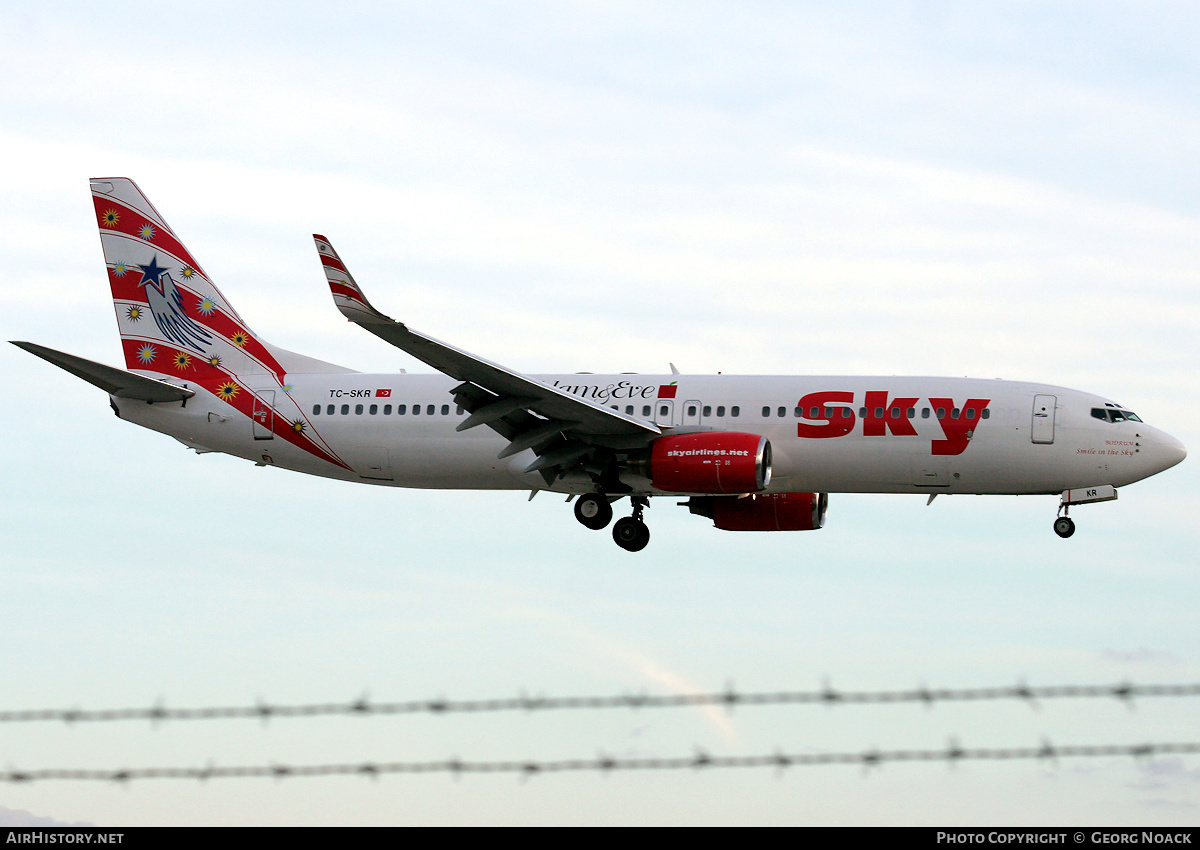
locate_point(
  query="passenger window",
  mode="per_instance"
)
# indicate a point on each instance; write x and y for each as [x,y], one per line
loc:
[829,413]
[645,410]
[798,412]
[720,410]
[862,413]
[766,413]
[895,413]
[445,410]
[459,410]
[924,412]
[814,412]
[373,409]
[912,413]
[735,411]
[387,410]
[879,413]
[629,410]
[954,413]
[691,410]
[970,413]
[401,409]
[358,410]
[345,409]
[987,413]
[941,413]
[707,411]
[316,410]
[662,411]
[782,412]
[416,410]
[429,409]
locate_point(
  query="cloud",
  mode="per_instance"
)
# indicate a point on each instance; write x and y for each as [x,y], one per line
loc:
[21,817]
[1170,779]
[1141,655]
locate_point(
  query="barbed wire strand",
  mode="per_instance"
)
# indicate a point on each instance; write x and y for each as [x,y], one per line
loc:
[729,698]
[525,768]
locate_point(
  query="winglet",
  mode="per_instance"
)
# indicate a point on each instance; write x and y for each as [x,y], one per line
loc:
[347,297]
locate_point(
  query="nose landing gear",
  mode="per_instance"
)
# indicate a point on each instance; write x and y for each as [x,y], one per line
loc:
[1064,526]
[631,533]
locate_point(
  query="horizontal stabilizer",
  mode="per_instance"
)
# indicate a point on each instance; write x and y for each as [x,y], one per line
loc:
[113,381]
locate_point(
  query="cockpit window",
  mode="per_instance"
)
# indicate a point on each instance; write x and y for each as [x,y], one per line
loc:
[1111,415]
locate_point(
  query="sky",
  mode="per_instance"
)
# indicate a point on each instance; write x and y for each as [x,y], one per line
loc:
[1001,190]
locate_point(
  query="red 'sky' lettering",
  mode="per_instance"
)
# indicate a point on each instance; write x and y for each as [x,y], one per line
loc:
[894,418]
[958,430]
[838,423]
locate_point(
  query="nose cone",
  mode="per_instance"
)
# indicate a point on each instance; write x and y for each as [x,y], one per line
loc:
[1166,451]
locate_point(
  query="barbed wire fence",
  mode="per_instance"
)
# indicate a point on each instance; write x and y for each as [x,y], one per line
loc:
[603,764]
[728,698]
[701,760]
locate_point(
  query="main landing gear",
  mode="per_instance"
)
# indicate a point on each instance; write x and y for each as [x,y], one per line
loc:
[630,532]
[594,511]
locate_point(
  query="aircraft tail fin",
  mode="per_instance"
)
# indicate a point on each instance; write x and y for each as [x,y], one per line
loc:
[173,320]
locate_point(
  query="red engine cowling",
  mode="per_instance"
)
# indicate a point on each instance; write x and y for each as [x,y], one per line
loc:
[768,512]
[711,462]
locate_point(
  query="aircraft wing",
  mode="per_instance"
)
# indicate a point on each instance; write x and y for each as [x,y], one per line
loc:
[113,381]
[562,429]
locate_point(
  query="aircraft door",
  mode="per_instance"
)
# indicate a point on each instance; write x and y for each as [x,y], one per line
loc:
[372,462]
[664,412]
[1042,431]
[263,416]
[691,412]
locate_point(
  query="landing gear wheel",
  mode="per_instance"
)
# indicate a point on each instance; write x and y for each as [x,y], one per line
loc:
[593,511]
[1064,526]
[631,534]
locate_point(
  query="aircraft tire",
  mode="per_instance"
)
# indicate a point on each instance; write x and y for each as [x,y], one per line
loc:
[593,511]
[631,534]
[1064,526]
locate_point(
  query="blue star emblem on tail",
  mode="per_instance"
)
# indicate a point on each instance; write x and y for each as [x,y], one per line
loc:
[166,305]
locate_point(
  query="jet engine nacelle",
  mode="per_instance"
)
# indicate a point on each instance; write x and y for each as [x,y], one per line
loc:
[768,512]
[710,462]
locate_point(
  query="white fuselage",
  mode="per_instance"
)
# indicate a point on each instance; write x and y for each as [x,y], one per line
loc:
[1006,446]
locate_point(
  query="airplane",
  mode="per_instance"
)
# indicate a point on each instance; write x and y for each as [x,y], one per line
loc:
[750,453]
